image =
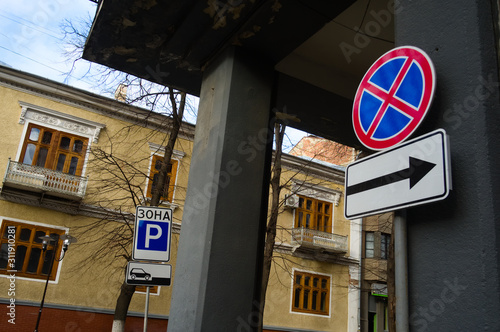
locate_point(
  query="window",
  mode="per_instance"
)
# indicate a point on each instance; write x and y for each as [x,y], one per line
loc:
[372,250]
[30,261]
[385,240]
[54,149]
[311,293]
[170,181]
[154,290]
[369,244]
[314,214]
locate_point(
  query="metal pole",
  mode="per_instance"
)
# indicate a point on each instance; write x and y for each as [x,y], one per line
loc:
[45,290]
[146,310]
[401,271]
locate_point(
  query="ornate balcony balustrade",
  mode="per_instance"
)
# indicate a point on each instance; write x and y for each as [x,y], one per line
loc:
[39,179]
[310,238]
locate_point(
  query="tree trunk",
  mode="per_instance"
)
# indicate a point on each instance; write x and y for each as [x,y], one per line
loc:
[162,186]
[121,309]
[279,131]
[127,291]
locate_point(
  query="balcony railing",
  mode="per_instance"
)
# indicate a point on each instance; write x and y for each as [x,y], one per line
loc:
[311,238]
[35,178]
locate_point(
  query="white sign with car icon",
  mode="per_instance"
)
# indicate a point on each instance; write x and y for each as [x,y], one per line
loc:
[148,274]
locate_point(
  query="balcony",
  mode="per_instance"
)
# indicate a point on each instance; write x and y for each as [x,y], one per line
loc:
[313,239]
[43,180]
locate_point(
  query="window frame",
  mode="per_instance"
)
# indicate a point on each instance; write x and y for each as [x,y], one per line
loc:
[372,241]
[314,213]
[155,290]
[385,242]
[34,227]
[58,121]
[54,149]
[173,174]
[300,310]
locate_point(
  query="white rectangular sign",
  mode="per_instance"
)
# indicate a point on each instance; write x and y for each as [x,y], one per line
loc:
[412,173]
[148,274]
[152,234]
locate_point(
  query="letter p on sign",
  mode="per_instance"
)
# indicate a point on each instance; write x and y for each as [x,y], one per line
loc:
[148,233]
[152,234]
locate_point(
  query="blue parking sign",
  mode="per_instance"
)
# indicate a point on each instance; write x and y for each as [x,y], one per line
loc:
[152,234]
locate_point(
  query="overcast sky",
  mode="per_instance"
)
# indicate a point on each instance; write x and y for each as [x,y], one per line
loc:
[31,40]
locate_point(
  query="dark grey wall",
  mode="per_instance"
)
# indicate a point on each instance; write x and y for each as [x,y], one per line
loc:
[453,245]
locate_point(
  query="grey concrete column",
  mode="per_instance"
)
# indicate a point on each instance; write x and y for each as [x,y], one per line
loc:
[219,265]
[401,271]
[453,245]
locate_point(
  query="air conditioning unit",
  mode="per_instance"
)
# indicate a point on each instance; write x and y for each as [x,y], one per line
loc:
[291,201]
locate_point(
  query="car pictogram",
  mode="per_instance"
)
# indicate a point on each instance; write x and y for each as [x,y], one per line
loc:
[139,273]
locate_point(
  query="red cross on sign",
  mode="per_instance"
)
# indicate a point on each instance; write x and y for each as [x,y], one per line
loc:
[393,97]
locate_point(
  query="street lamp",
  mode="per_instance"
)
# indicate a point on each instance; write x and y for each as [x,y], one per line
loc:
[46,241]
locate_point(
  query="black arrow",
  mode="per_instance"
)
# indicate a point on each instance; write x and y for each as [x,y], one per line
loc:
[415,172]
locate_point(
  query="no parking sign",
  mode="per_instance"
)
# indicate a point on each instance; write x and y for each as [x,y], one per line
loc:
[390,103]
[393,97]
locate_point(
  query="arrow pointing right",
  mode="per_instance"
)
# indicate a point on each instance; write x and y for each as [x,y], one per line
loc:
[415,172]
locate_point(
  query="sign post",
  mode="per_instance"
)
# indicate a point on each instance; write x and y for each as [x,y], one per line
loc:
[146,309]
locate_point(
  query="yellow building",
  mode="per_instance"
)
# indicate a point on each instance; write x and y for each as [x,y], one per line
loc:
[76,163]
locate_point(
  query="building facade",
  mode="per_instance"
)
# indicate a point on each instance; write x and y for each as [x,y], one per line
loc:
[317,62]
[376,238]
[376,257]
[322,149]
[77,163]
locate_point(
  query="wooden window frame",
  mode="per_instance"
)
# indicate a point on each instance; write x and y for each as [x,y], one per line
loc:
[30,245]
[303,298]
[171,177]
[317,209]
[154,290]
[54,149]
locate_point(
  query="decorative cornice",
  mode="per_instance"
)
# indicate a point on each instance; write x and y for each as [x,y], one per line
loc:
[36,85]
[76,208]
[64,121]
[321,171]
[316,191]
[157,148]
[73,207]
[166,204]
